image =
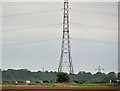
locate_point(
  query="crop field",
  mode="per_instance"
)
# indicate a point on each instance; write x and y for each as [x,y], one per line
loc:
[60,87]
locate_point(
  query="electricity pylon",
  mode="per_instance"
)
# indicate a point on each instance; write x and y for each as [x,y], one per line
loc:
[65,64]
[99,69]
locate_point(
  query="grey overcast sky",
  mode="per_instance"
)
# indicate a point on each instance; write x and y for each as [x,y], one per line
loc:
[32,35]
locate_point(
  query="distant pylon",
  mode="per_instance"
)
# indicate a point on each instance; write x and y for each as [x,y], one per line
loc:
[99,69]
[65,64]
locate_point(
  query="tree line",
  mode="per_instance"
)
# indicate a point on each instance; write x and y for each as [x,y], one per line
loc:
[25,75]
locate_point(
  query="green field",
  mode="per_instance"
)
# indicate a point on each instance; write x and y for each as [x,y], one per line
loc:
[65,84]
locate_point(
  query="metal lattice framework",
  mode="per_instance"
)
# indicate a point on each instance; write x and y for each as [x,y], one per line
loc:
[65,58]
[99,69]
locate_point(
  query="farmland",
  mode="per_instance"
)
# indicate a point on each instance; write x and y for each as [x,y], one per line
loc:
[60,86]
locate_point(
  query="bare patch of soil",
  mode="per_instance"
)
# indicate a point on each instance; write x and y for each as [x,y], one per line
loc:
[51,88]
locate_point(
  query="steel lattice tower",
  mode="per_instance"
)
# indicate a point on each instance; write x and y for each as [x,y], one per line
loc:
[65,58]
[99,69]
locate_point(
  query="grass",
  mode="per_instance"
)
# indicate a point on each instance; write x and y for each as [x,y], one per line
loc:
[97,84]
[65,84]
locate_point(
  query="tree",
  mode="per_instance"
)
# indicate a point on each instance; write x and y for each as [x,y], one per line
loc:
[84,76]
[99,75]
[24,75]
[110,76]
[119,76]
[95,80]
[62,77]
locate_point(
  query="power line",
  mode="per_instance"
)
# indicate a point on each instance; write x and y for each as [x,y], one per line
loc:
[75,38]
[22,28]
[47,11]
[38,12]
[97,41]
[79,24]
[92,26]
[94,12]
[29,42]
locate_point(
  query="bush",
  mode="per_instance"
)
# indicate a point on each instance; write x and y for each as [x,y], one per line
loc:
[62,77]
